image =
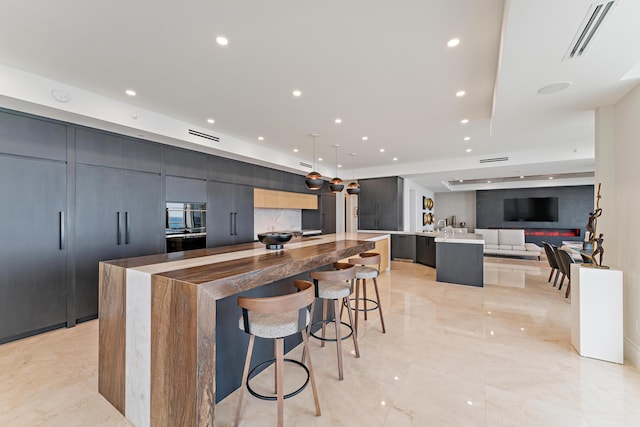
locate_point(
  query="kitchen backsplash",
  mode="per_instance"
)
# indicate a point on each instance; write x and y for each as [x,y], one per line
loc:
[276,220]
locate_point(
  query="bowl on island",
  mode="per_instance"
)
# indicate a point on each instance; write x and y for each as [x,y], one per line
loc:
[275,239]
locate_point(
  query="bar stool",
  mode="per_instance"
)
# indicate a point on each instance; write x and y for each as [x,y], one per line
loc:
[276,318]
[335,285]
[364,272]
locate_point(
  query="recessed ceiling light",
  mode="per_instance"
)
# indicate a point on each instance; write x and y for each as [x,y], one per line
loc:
[468,150]
[338,121]
[467,138]
[453,42]
[521,176]
[261,138]
[295,150]
[130,92]
[395,159]
[320,159]
[339,166]
[550,177]
[382,150]
[297,93]
[211,121]
[464,121]
[460,93]
[461,180]
[364,138]
[553,88]
[489,182]
[222,40]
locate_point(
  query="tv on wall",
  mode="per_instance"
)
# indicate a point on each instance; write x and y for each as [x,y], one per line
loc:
[531,209]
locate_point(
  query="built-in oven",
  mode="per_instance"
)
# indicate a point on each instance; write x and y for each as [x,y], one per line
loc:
[186,226]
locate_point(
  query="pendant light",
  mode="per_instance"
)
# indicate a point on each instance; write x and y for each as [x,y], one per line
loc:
[313,179]
[336,185]
[354,188]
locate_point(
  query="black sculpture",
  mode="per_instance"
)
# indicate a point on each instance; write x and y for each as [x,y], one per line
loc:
[596,243]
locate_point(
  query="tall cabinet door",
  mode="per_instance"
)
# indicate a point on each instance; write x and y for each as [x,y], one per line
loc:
[220,209]
[33,279]
[243,214]
[329,213]
[143,219]
[99,230]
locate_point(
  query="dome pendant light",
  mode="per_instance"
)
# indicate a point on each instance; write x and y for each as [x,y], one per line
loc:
[313,179]
[353,188]
[336,185]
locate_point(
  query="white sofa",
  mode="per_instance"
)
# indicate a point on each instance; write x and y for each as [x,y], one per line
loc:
[508,242]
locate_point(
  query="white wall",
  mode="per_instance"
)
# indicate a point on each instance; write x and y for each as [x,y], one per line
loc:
[462,204]
[617,154]
[413,222]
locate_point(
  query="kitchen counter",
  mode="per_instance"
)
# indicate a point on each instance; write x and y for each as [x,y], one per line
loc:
[158,314]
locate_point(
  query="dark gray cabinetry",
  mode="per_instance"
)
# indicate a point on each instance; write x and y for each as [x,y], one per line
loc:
[231,171]
[185,190]
[33,276]
[328,213]
[185,163]
[26,136]
[119,214]
[425,250]
[403,246]
[380,203]
[229,214]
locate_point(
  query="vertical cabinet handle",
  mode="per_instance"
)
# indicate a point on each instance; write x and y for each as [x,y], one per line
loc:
[63,234]
[235,223]
[126,228]
[118,228]
[231,223]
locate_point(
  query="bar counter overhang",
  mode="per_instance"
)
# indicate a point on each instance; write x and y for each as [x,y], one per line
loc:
[157,331]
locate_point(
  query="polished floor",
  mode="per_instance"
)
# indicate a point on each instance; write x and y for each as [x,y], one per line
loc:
[452,356]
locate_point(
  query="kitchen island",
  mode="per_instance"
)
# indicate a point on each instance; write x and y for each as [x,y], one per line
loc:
[158,314]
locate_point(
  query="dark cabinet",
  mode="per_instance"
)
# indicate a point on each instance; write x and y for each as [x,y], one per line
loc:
[229,214]
[119,214]
[27,136]
[185,190]
[380,203]
[33,276]
[426,250]
[328,213]
[403,246]
[185,163]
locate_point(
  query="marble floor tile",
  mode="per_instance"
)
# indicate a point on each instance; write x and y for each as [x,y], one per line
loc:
[452,356]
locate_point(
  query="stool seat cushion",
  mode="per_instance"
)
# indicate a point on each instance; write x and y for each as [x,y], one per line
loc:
[363,272]
[273,325]
[330,289]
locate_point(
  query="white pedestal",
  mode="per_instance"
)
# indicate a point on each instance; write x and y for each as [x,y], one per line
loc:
[596,313]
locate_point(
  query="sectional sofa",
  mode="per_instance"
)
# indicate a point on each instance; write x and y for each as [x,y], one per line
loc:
[507,242]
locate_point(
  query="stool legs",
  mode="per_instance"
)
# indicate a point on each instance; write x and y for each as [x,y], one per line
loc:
[305,340]
[364,291]
[338,339]
[245,375]
[280,379]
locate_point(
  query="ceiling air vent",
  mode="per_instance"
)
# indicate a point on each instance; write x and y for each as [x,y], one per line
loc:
[306,165]
[592,22]
[495,159]
[204,135]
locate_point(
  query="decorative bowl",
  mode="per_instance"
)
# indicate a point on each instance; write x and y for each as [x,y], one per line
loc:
[275,239]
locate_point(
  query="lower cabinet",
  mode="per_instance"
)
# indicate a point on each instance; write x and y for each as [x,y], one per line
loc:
[229,214]
[33,276]
[119,214]
[426,250]
[403,246]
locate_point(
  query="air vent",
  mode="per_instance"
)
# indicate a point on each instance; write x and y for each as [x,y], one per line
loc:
[204,135]
[495,159]
[306,165]
[592,22]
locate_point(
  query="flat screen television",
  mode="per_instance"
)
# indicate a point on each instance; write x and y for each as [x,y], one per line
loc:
[531,209]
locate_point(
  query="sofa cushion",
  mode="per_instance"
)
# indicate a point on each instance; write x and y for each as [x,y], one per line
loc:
[490,236]
[491,246]
[505,247]
[519,248]
[511,237]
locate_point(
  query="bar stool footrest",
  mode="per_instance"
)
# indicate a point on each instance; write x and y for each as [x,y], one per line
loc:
[286,396]
[374,302]
[331,339]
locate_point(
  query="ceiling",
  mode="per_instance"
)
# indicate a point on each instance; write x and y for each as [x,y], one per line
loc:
[384,68]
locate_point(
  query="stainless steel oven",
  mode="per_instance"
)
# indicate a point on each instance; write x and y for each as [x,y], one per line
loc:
[186,226]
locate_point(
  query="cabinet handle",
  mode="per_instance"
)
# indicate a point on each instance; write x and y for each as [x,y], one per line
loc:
[235,223]
[126,228]
[63,234]
[231,223]
[118,228]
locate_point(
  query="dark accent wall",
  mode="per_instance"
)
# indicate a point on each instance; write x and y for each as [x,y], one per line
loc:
[574,205]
